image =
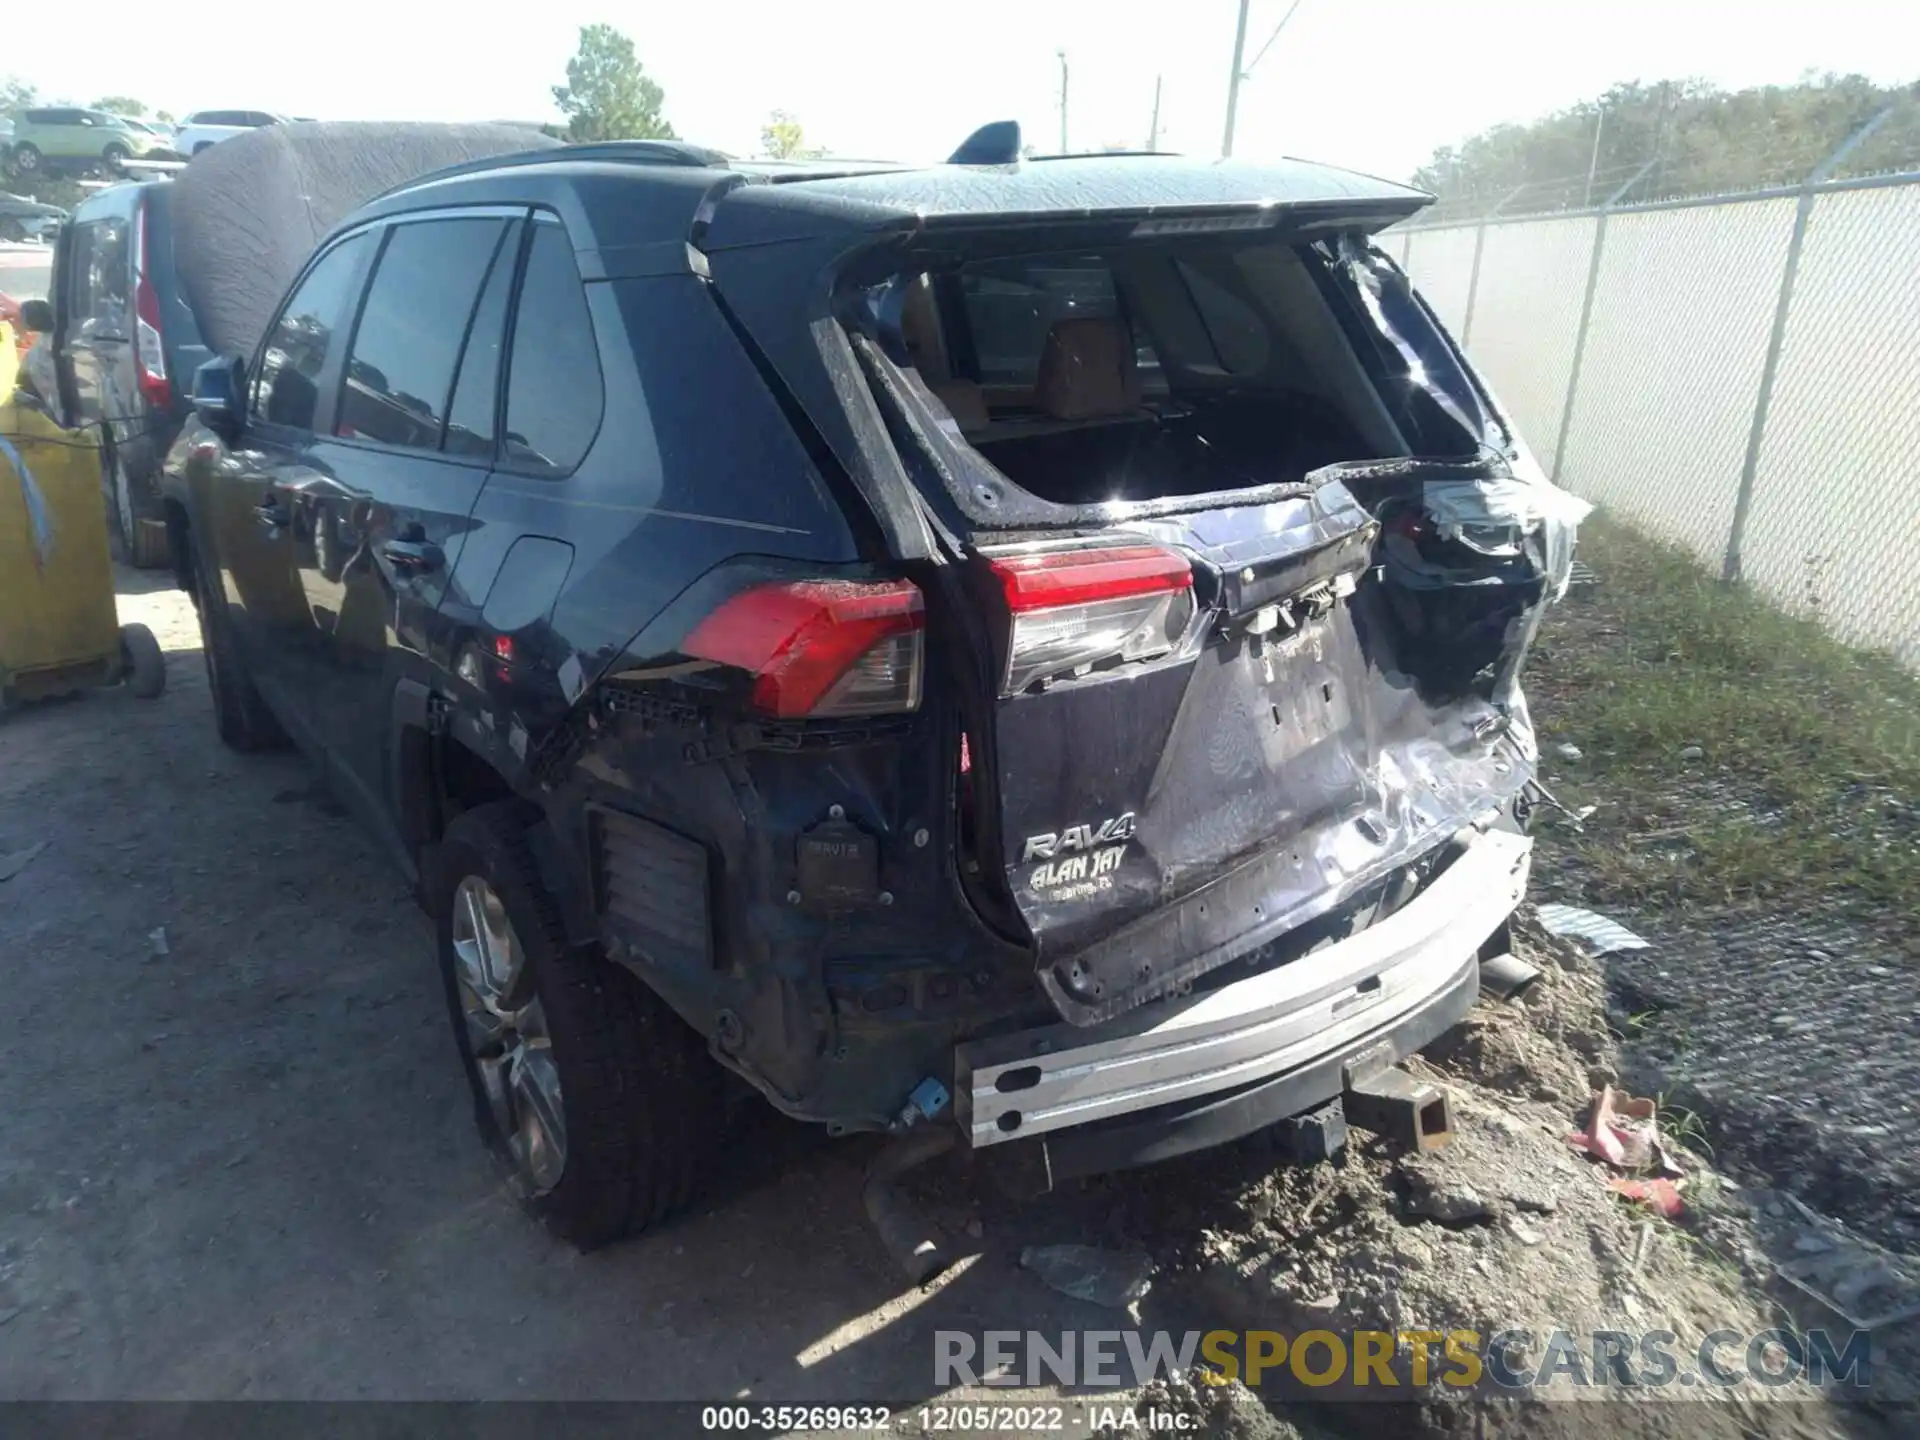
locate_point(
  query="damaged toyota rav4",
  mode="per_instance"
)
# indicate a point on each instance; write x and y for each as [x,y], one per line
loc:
[1018,654]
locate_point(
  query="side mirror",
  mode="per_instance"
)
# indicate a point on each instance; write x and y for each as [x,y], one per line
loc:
[36,317]
[219,395]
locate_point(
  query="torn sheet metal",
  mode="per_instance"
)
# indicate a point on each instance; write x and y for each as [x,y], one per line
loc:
[1388,298]
[1491,514]
[1494,515]
[1598,931]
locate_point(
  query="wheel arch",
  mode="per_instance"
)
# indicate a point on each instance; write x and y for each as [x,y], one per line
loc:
[438,775]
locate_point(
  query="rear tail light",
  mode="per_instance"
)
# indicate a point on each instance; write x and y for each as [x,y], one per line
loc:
[821,647]
[150,357]
[1077,610]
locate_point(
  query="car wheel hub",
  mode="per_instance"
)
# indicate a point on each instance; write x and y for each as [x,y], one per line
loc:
[507,1033]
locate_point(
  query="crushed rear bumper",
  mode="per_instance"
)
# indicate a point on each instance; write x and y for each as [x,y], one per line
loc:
[1211,1067]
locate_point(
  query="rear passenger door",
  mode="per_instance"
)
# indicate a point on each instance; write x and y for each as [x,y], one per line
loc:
[96,315]
[250,501]
[412,442]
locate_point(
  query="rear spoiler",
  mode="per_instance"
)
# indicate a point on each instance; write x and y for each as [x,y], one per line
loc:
[1076,200]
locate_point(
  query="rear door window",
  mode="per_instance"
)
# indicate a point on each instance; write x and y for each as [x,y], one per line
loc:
[399,374]
[554,394]
[476,392]
[310,329]
[97,296]
[1013,305]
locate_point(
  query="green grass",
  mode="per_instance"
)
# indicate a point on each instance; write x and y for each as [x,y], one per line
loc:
[1805,790]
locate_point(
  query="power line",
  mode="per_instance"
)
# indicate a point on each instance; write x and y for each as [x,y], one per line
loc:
[1274,36]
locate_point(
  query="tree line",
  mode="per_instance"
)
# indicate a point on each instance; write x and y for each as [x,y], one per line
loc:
[1676,137]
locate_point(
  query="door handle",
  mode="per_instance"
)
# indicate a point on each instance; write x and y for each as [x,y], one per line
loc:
[414,557]
[272,514]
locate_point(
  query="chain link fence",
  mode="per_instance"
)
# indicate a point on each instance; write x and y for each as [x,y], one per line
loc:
[1737,373]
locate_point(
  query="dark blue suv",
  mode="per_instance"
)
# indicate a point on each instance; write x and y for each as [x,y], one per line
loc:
[1019,655]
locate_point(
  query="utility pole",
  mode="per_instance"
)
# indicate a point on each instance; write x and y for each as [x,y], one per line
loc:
[1245,72]
[1153,129]
[1233,81]
[1063,100]
[1599,123]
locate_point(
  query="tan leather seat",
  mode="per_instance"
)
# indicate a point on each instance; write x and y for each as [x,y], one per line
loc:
[1086,370]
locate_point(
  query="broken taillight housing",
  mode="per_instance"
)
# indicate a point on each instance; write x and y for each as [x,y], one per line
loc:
[1077,610]
[821,648]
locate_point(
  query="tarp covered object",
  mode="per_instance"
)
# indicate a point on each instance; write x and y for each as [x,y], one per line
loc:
[248,212]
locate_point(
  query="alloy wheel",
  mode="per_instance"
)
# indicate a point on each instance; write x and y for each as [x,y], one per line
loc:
[507,1032]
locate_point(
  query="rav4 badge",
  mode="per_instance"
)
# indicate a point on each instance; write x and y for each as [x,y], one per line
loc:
[1078,837]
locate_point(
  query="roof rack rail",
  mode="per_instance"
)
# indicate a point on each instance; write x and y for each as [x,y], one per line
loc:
[630,152]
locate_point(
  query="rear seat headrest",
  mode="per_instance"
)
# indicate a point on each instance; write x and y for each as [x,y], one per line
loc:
[1086,369]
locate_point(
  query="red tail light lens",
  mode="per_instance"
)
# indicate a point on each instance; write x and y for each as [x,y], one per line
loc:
[150,357]
[1077,610]
[821,647]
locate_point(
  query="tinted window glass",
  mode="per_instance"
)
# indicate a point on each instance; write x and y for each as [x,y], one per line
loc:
[1012,306]
[470,417]
[553,379]
[98,295]
[1239,335]
[287,389]
[400,371]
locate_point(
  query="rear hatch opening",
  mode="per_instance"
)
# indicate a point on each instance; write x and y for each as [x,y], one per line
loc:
[1244,563]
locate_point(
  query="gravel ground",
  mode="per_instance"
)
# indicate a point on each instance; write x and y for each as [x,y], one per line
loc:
[246,1168]
[240,1164]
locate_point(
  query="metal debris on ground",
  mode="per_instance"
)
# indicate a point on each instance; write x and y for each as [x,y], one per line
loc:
[1569,751]
[1859,1283]
[1597,930]
[14,861]
[1101,1277]
[157,943]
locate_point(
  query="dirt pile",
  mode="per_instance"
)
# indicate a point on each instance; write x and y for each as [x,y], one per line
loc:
[1508,1231]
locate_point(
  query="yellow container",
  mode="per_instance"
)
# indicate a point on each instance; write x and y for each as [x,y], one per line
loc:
[58,629]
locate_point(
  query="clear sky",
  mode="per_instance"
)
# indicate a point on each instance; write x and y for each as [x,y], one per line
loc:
[1372,84]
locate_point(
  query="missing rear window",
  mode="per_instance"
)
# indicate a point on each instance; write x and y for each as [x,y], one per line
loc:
[1139,374]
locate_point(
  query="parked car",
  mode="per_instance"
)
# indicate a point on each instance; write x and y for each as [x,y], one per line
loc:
[205,128]
[125,345]
[23,218]
[164,133]
[64,138]
[775,617]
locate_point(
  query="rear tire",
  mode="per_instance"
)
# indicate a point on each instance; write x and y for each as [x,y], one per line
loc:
[146,666]
[138,541]
[116,155]
[24,160]
[240,715]
[639,1097]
